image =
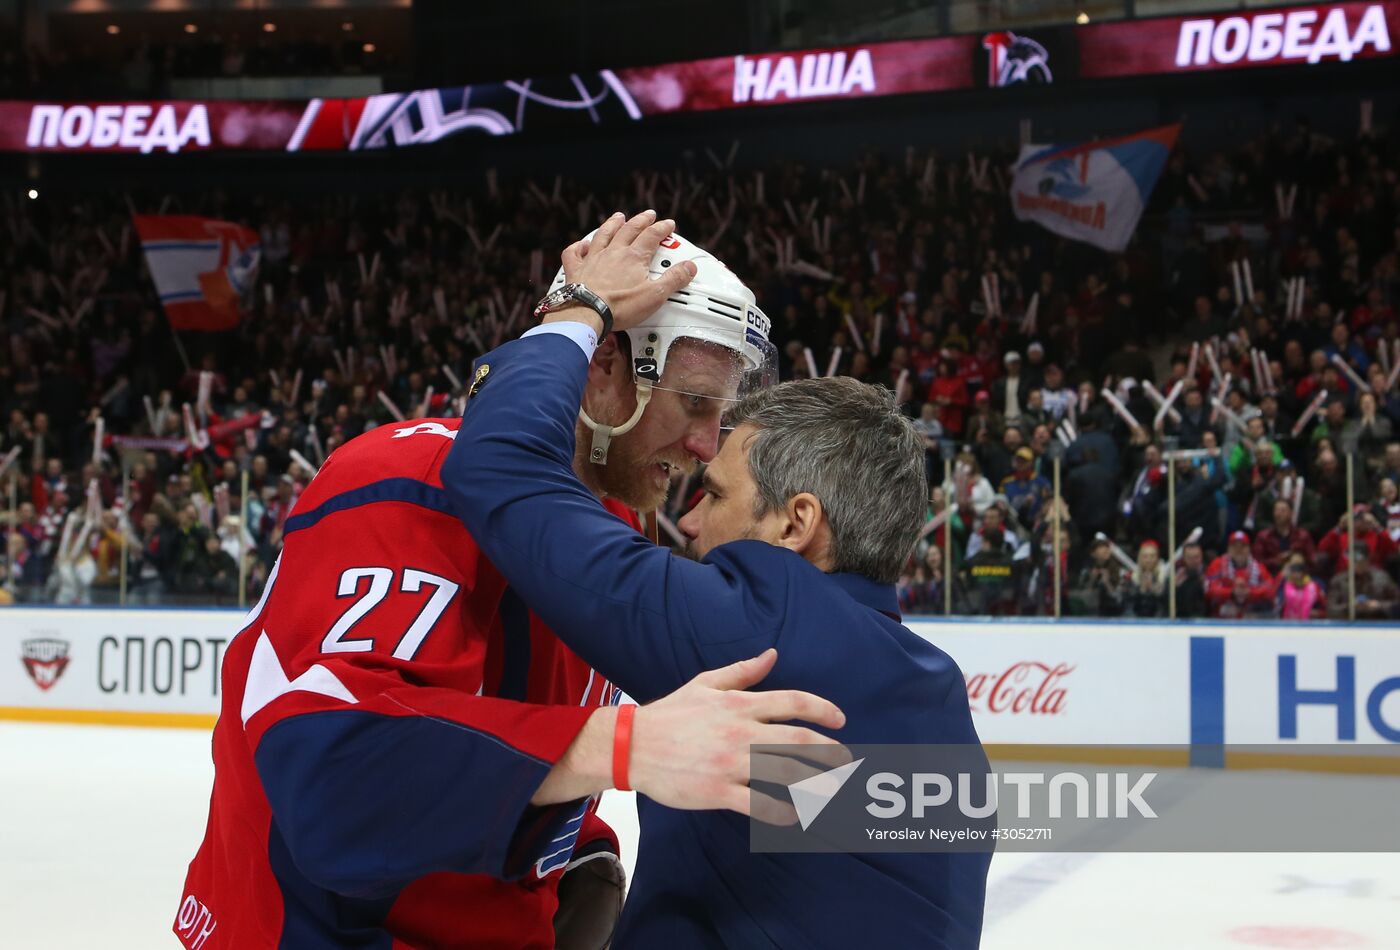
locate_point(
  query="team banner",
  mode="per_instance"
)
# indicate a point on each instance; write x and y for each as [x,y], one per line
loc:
[201,267]
[1299,35]
[558,103]
[1092,192]
[147,127]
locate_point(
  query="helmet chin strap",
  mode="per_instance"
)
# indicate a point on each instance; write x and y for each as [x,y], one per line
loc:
[602,435]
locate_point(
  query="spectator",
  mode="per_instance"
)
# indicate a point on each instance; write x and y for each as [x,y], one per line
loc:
[1035,365]
[1191,599]
[931,429]
[1286,485]
[185,563]
[1025,491]
[1094,509]
[216,570]
[19,566]
[1386,509]
[1332,423]
[1195,418]
[1147,589]
[110,537]
[1277,425]
[1197,505]
[1040,576]
[1300,596]
[990,576]
[949,393]
[1034,416]
[234,537]
[1255,450]
[1135,505]
[996,525]
[1011,393]
[1250,484]
[1057,399]
[925,360]
[279,503]
[1094,434]
[997,457]
[1390,463]
[1243,603]
[1376,595]
[1367,434]
[1331,557]
[969,488]
[984,424]
[153,546]
[1204,324]
[922,590]
[74,567]
[1282,540]
[1100,587]
[1214,467]
[1235,572]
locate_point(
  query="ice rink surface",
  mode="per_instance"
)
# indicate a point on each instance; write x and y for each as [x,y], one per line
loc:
[98,823]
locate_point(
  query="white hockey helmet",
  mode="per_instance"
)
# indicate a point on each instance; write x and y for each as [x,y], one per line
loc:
[716,310]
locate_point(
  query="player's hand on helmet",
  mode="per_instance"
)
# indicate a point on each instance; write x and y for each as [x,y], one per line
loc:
[614,264]
[690,749]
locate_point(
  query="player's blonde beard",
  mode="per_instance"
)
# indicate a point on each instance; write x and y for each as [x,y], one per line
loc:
[628,474]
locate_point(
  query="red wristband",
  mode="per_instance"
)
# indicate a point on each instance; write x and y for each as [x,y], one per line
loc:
[622,746]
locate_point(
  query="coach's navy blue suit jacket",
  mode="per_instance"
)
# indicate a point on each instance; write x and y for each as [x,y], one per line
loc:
[650,621]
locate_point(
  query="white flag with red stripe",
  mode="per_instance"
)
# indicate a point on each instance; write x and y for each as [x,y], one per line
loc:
[201,267]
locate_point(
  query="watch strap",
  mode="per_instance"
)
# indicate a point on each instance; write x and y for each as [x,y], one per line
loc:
[580,294]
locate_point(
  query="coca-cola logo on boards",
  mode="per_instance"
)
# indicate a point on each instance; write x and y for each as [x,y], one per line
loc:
[1026,688]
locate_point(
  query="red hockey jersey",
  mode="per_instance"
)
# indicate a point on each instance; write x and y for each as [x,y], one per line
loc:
[389,708]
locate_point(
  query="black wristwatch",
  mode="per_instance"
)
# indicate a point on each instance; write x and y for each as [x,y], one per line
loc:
[571,294]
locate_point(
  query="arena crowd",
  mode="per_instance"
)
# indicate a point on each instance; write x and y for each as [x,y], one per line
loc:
[1259,309]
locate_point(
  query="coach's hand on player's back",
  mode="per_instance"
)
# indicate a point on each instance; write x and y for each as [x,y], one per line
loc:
[614,265]
[691,749]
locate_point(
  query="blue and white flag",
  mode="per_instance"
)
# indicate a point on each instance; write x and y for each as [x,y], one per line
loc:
[1094,191]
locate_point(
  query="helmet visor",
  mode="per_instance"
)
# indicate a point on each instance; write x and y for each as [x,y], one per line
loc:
[711,370]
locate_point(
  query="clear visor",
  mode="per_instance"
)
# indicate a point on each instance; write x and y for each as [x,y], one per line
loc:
[710,376]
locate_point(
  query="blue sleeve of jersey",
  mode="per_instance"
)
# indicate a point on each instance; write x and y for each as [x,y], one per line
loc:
[367,803]
[646,619]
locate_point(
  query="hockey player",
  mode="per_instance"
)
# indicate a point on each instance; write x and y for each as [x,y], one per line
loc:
[405,757]
[809,514]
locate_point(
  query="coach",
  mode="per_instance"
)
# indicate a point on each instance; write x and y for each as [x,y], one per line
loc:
[810,510]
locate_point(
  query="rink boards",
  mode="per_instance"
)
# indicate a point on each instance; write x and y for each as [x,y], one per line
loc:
[1031,683]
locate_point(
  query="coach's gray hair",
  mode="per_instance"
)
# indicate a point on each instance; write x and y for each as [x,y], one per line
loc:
[847,443]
